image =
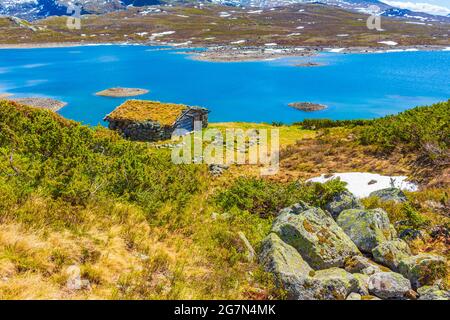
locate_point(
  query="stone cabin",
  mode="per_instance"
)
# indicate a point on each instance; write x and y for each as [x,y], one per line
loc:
[143,120]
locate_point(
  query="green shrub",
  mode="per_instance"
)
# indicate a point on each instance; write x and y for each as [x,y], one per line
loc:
[42,153]
[316,124]
[425,130]
[266,198]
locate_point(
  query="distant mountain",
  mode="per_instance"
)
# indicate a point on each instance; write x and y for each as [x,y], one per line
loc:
[35,9]
[31,9]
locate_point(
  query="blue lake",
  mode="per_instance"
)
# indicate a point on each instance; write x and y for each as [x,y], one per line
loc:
[351,85]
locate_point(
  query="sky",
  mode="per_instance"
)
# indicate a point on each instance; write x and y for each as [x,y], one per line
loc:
[441,7]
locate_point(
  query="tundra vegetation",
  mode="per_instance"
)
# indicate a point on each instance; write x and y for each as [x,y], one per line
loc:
[139,227]
[206,26]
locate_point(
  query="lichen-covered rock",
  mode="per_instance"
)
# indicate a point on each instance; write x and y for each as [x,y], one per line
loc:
[315,235]
[279,257]
[354,296]
[360,264]
[389,285]
[342,201]
[390,253]
[363,283]
[423,269]
[433,293]
[389,194]
[286,264]
[367,228]
[335,283]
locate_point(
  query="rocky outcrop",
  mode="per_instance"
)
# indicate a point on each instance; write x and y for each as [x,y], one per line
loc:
[298,279]
[315,235]
[390,253]
[389,194]
[433,293]
[366,228]
[389,285]
[342,201]
[314,257]
[423,269]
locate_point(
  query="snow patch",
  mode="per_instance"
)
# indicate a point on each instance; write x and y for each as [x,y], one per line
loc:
[388,43]
[358,182]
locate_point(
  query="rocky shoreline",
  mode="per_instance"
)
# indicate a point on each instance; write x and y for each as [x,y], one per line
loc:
[348,252]
[229,53]
[44,103]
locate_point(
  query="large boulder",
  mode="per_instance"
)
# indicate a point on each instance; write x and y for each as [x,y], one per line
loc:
[389,194]
[433,293]
[389,285]
[299,281]
[390,253]
[315,235]
[288,267]
[342,201]
[360,264]
[423,269]
[334,284]
[367,228]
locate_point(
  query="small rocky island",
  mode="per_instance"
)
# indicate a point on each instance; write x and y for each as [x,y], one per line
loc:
[122,92]
[308,64]
[44,103]
[307,106]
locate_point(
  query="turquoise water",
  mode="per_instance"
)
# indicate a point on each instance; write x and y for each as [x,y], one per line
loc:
[351,85]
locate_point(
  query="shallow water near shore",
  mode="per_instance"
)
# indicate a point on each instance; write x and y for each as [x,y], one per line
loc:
[351,85]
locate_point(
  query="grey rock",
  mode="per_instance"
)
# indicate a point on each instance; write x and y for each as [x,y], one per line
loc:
[217,169]
[366,228]
[433,293]
[390,253]
[389,194]
[288,267]
[334,284]
[342,201]
[363,283]
[389,285]
[315,235]
[423,269]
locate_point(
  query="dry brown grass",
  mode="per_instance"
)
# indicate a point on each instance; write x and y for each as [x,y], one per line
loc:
[336,152]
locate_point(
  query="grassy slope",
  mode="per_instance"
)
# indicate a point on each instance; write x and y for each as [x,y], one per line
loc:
[137,225]
[321,25]
[140,227]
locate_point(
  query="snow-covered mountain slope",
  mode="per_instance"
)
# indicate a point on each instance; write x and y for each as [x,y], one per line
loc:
[35,9]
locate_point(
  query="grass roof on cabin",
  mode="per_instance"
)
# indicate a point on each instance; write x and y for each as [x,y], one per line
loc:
[144,110]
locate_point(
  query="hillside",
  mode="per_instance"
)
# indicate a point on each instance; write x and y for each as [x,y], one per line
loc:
[137,226]
[308,25]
